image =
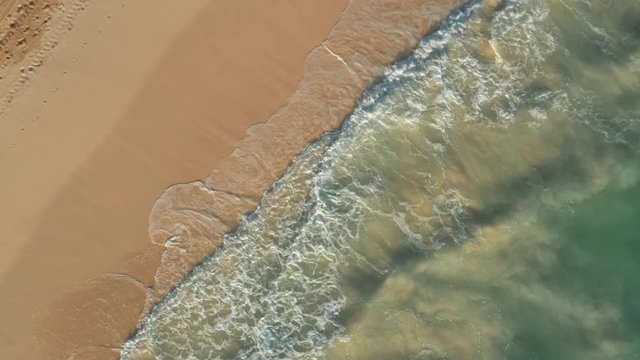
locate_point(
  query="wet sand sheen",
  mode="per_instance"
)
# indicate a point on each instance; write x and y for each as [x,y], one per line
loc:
[96,223]
[458,213]
[115,133]
[193,218]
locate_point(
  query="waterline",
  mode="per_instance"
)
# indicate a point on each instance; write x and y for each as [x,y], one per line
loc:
[421,229]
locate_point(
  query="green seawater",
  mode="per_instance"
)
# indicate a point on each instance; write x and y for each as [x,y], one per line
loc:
[481,202]
[557,280]
[595,266]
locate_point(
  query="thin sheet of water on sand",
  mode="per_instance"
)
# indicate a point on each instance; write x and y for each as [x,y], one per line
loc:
[478,204]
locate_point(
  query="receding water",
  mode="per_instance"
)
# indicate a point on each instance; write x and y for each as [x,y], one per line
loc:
[482,202]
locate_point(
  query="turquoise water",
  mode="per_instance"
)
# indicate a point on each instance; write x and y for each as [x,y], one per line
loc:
[595,267]
[482,202]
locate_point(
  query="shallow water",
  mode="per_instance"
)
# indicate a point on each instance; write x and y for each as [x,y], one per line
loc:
[481,202]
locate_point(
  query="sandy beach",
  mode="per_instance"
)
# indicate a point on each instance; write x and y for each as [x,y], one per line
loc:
[480,200]
[118,111]
[104,112]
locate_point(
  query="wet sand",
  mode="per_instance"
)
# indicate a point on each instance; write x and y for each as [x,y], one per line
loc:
[119,110]
[192,219]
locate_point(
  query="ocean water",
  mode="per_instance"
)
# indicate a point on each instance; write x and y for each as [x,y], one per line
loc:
[481,202]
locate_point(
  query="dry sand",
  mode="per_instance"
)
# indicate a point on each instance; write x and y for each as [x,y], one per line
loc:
[126,98]
[193,218]
[136,96]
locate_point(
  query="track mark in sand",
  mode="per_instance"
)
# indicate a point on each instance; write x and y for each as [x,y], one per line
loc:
[47,22]
[5,7]
[22,26]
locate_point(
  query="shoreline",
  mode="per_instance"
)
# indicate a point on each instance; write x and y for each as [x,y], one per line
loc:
[188,221]
[117,112]
[263,283]
[192,218]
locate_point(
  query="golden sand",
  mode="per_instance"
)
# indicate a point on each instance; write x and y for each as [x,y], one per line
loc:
[122,99]
[118,111]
